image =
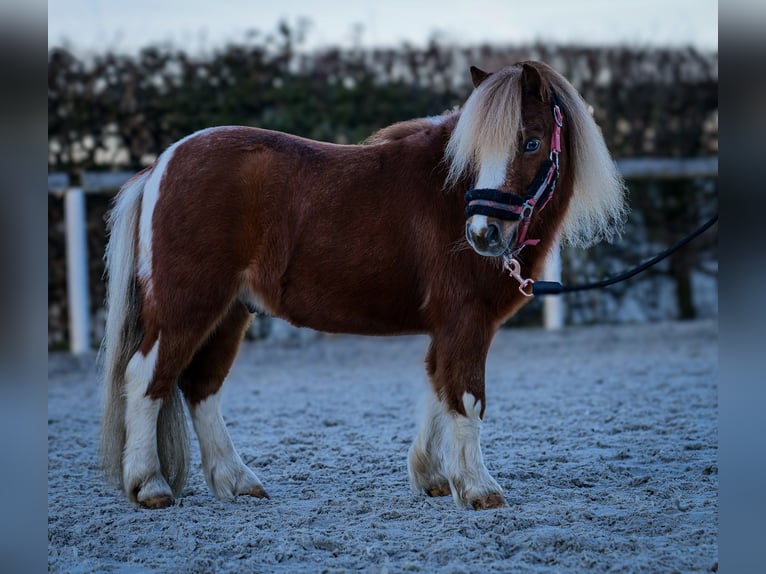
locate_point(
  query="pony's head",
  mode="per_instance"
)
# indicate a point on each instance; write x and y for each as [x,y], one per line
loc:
[520,129]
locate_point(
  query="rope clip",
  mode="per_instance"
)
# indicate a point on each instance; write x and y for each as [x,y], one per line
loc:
[514,268]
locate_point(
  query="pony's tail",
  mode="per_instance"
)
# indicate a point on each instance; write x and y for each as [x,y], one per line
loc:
[122,337]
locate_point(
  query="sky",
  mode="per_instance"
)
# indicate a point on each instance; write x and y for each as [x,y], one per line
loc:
[98,25]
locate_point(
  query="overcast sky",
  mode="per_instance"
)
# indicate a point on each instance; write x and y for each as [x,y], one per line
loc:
[95,25]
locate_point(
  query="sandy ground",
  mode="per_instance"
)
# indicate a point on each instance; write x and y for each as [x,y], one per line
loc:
[604,439]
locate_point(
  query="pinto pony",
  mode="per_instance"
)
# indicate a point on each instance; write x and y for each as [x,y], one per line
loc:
[377,239]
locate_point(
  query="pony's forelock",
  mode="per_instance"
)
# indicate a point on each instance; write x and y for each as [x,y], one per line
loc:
[488,124]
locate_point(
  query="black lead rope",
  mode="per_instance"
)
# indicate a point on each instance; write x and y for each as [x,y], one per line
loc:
[555,288]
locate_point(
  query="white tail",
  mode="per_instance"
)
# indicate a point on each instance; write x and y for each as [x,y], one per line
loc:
[122,338]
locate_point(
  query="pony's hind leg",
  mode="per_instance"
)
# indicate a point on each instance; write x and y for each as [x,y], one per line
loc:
[225,473]
[142,474]
[156,454]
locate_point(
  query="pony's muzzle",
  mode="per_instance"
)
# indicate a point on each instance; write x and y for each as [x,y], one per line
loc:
[486,237]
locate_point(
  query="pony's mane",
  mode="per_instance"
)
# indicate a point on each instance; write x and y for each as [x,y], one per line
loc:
[401,130]
[489,125]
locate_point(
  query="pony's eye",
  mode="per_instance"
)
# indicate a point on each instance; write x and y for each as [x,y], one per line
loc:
[531,145]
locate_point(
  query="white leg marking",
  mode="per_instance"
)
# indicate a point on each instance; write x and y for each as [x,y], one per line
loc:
[468,477]
[492,171]
[142,477]
[425,463]
[225,473]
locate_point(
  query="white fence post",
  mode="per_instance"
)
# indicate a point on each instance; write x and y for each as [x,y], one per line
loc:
[553,305]
[77,270]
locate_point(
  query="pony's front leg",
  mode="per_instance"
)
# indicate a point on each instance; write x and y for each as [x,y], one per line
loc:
[446,456]
[469,479]
[426,461]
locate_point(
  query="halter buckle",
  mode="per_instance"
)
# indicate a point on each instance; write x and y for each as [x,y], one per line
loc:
[558,116]
[526,210]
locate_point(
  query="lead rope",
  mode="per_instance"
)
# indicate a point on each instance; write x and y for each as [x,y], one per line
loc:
[530,287]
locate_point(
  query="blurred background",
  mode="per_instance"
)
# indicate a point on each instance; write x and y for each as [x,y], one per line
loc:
[127,80]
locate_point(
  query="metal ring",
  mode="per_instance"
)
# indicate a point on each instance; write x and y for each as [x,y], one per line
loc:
[524,284]
[558,116]
[526,210]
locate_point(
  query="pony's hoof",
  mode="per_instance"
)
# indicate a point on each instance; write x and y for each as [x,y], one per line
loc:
[257,492]
[162,501]
[152,492]
[489,501]
[439,490]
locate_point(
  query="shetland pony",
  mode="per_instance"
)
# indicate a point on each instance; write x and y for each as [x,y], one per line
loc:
[369,239]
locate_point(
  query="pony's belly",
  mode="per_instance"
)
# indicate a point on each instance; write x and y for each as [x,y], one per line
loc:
[359,326]
[335,309]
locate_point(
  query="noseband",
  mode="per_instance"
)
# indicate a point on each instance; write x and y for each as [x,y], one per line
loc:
[512,206]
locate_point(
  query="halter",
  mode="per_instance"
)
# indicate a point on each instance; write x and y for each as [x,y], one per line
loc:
[512,206]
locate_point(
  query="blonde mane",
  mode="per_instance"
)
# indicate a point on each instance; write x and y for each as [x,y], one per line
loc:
[401,130]
[489,125]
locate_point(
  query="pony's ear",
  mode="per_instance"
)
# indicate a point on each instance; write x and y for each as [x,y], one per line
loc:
[478,76]
[533,81]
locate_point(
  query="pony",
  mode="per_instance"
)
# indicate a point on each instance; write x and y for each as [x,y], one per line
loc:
[404,233]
